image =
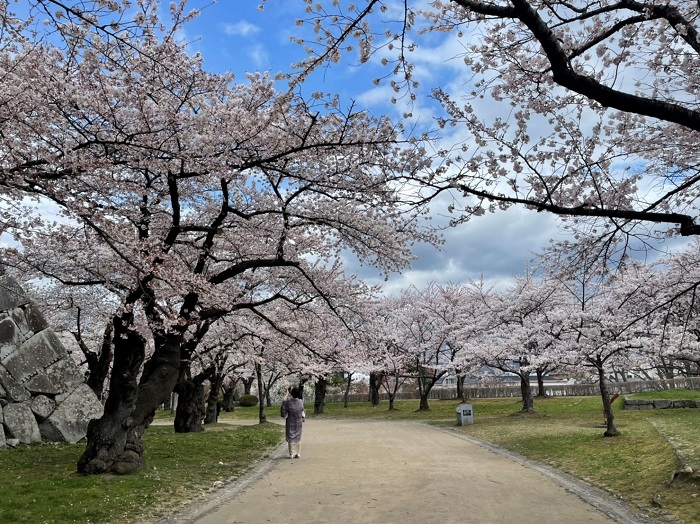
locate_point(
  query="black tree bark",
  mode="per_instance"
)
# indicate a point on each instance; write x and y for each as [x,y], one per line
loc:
[461,391]
[347,389]
[610,429]
[320,395]
[540,384]
[526,393]
[262,417]
[106,449]
[191,402]
[375,381]
[427,378]
[98,363]
[229,396]
[213,405]
[247,384]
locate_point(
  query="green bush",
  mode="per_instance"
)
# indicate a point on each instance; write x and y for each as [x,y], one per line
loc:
[249,400]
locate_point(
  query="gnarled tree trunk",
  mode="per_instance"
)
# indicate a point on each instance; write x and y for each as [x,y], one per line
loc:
[106,449]
[98,363]
[191,402]
[115,441]
[229,396]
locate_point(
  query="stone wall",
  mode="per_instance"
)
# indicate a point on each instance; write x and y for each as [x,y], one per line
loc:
[639,403]
[43,395]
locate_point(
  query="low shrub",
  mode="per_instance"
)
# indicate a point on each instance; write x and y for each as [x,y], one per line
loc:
[249,400]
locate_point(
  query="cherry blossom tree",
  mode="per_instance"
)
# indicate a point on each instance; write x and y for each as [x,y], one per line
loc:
[529,326]
[189,196]
[422,334]
[603,320]
[674,314]
[458,309]
[578,109]
[385,359]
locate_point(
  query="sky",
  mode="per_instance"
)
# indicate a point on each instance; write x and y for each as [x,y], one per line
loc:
[236,36]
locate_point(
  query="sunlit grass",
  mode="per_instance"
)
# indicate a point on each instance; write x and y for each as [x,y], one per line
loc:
[40,484]
[669,394]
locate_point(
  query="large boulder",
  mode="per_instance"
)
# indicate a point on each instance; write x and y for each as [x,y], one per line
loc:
[42,390]
[20,422]
[42,407]
[12,295]
[14,390]
[69,421]
[65,376]
[40,351]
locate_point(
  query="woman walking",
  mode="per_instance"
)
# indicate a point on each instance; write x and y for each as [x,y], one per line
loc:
[293,410]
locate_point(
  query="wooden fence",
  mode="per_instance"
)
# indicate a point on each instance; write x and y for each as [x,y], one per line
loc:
[569,390]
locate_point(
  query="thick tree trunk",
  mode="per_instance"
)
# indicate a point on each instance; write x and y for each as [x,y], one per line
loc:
[107,448]
[229,397]
[392,397]
[461,392]
[190,411]
[115,441]
[191,402]
[302,381]
[540,384]
[247,385]
[526,393]
[423,405]
[347,390]
[610,429]
[320,395]
[425,386]
[374,384]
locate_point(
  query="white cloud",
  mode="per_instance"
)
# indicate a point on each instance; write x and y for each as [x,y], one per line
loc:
[259,57]
[242,28]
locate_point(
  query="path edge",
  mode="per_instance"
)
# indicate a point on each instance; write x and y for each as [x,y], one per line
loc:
[198,509]
[604,502]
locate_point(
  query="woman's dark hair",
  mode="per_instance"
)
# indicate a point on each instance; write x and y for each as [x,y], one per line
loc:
[296,393]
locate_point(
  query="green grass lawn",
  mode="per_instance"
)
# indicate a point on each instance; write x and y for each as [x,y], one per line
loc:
[40,485]
[669,394]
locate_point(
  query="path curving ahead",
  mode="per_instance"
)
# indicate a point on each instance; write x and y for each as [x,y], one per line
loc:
[402,472]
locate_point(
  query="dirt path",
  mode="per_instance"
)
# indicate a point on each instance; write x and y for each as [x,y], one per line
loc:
[402,472]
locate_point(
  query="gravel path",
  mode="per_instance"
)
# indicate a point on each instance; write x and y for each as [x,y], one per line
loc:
[402,472]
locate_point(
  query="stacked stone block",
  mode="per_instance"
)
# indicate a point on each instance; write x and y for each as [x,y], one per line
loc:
[43,395]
